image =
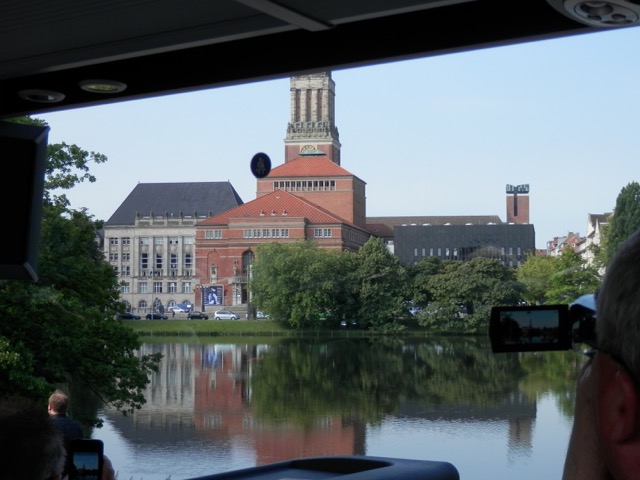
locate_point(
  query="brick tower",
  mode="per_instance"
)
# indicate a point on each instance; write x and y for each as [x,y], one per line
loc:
[312,123]
[518,204]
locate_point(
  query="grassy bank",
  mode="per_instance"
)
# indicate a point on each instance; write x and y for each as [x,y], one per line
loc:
[238,328]
[184,327]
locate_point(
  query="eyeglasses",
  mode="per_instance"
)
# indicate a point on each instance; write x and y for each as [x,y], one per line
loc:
[592,353]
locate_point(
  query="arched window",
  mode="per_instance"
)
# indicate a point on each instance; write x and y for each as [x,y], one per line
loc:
[142,304]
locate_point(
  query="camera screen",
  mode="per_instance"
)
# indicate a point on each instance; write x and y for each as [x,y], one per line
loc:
[86,465]
[530,328]
[87,459]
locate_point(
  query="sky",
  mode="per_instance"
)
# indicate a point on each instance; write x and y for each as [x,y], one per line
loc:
[439,135]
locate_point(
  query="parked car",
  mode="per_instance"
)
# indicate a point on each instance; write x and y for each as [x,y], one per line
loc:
[156,316]
[348,324]
[261,315]
[197,316]
[128,316]
[225,315]
[177,309]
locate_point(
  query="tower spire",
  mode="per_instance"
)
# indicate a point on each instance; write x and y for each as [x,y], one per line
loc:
[312,122]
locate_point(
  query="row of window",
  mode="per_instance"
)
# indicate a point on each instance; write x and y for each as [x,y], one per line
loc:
[266,233]
[170,240]
[305,185]
[147,240]
[453,252]
[158,261]
[125,271]
[322,232]
[123,240]
[158,287]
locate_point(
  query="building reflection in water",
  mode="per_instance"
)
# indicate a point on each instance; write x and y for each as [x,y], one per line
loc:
[204,392]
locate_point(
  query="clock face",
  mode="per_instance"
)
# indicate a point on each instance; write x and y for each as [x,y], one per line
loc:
[260,165]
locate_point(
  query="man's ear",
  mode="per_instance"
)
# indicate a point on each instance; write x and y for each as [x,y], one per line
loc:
[618,404]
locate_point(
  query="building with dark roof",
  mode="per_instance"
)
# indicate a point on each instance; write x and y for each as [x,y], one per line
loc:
[508,243]
[150,240]
[188,199]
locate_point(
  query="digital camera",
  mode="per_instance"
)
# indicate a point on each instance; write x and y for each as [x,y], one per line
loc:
[526,328]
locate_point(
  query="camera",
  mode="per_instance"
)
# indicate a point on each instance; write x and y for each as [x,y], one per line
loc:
[526,328]
[87,458]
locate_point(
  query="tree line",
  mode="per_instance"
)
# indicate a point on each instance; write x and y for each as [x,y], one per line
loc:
[304,286]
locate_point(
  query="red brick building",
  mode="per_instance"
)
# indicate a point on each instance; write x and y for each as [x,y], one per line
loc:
[225,244]
[309,197]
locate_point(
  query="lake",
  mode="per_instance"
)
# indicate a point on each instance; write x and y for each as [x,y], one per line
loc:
[215,407]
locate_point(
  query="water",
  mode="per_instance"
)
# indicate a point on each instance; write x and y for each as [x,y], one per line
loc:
[214,408]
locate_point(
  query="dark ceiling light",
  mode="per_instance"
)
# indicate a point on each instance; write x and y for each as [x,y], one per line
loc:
[607,13]
[103,86]
[41,96]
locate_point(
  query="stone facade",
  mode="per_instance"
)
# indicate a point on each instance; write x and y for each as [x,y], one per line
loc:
[155,260]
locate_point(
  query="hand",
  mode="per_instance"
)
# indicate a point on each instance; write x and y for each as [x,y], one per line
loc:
[108,473]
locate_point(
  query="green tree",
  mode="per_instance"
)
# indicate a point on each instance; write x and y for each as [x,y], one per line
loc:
[535,274]
[296,283]
[418,276]
[625,219]
[572,277]
[477,284]
[60,330]
[382,287]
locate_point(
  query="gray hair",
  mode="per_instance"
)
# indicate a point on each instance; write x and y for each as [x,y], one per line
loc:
[618,309]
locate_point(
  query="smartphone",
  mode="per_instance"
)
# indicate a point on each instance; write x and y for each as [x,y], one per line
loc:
[87,458]
[530,328]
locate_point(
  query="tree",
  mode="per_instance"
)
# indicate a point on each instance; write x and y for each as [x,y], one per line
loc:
[535,274]
[61,329]
[572,277]
[625,219]
[418,277]
[296,283]
[478,285]
[381,286]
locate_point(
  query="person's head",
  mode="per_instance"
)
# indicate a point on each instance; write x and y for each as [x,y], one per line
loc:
[618,307]
[616,366]
[58,402]
[31,447]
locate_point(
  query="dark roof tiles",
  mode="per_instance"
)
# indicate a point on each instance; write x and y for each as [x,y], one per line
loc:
[175,199]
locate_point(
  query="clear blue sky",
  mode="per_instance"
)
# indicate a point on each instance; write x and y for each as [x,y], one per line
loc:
[432,136]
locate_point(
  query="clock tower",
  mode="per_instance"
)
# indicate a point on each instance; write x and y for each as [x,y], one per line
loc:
[312,123]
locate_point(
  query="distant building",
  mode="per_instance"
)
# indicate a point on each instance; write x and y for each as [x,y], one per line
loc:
[462,237]
[593,238]
[504,242]
[572,240]
[150,240]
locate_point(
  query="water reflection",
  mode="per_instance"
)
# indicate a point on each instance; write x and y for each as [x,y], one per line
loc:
[217,407]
